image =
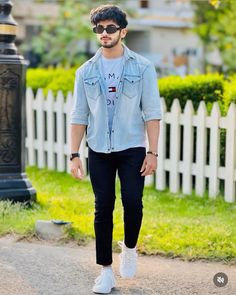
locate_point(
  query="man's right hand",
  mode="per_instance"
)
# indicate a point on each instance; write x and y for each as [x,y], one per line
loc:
[76,168]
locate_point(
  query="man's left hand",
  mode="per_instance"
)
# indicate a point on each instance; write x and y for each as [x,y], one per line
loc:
[149,165]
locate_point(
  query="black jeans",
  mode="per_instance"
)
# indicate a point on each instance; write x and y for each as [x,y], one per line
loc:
[103,168]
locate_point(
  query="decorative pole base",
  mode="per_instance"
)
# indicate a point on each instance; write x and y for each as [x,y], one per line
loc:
[16,188]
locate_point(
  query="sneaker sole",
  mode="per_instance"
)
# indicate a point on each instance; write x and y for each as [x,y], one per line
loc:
[105,292]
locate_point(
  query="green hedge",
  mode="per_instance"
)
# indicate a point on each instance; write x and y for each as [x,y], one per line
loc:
[51,79]
[210,87]
[229,91]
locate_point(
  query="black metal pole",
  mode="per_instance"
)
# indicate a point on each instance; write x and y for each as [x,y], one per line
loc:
[14,184]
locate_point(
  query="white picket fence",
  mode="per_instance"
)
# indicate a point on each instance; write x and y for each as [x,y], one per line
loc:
[189,144]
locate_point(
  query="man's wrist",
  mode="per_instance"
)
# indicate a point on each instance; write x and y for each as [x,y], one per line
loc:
[152,153]
[74,155]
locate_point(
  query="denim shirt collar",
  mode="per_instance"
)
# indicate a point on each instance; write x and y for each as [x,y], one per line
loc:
[127,54]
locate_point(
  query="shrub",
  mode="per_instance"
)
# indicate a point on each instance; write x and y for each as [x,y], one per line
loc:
[208,87]
[229,92]
[39,78]
[51,79]
[64,81]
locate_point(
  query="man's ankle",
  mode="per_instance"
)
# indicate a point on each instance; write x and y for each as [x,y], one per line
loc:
[107,268]
[129,248]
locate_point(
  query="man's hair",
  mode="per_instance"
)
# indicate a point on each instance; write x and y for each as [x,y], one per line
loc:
[108,12]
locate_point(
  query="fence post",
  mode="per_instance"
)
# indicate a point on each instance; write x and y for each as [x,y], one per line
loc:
[175,146]
[39,106]
[201,149]
[149,178]
[60,132]
[50,130]
[188,147]
[230,161]
[84,154]
[161,173]
[214,151]
[68,107]
[30,125]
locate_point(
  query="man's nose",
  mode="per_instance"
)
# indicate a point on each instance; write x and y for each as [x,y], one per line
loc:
[104,33]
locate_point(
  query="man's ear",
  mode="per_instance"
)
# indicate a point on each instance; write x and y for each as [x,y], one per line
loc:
[123,33]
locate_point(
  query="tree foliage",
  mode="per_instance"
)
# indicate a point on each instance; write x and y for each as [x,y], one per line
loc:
[59,40]
[215,23]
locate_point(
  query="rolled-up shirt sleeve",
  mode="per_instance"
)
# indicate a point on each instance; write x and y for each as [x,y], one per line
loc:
[150,99]
[80,109]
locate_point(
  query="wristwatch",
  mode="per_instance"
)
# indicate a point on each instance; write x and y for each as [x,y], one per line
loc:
[152,153]
[74,155]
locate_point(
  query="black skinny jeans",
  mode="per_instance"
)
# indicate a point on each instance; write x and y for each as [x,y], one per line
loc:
[103,168]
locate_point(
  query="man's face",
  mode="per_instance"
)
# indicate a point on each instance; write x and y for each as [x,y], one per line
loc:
[110,40]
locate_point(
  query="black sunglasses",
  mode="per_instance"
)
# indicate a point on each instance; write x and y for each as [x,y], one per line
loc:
[110,29]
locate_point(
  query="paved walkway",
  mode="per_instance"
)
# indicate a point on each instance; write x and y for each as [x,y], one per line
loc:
[40,268]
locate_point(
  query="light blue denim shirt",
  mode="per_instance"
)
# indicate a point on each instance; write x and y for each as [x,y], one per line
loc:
[138,102]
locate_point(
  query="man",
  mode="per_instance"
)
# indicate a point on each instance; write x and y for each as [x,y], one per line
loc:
[116,101]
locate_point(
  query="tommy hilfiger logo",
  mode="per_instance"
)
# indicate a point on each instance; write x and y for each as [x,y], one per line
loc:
[112,89]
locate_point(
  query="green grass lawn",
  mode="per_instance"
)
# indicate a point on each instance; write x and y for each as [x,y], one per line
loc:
[173,225]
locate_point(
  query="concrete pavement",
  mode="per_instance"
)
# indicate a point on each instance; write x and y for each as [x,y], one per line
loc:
[44,268]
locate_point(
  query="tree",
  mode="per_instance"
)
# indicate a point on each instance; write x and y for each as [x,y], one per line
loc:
[59,40]
[215,23]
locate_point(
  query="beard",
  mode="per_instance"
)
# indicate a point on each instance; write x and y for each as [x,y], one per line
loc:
[110,44]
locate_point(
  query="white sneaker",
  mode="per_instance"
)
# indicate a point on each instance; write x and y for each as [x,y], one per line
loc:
[105,282]
[128,261]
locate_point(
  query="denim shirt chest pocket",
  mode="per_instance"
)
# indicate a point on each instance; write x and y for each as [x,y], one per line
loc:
[131,85]
[92,87]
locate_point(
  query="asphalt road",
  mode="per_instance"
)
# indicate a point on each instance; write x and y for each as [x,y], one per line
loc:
[43,268]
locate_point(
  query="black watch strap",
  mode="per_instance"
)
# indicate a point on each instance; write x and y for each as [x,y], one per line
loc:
[74,155]
[152,153]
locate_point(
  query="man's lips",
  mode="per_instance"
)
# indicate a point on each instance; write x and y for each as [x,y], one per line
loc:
[105,39]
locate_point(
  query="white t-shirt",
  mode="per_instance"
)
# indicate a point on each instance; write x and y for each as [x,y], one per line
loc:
[111,71]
